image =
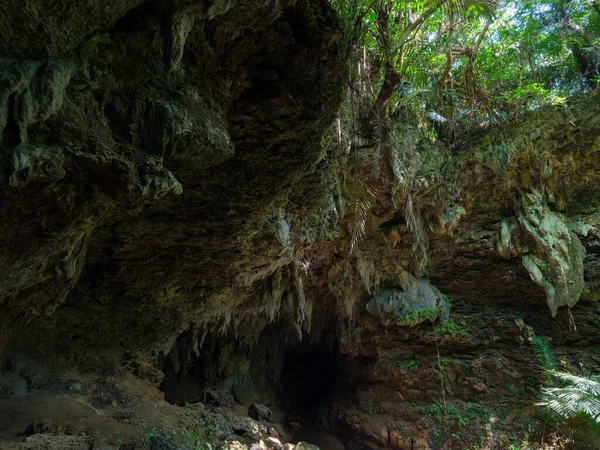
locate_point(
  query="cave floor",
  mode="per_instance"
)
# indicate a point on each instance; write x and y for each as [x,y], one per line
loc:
[43,419]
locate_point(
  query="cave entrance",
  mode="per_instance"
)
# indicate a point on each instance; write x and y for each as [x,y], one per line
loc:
[181,386]
[308,377]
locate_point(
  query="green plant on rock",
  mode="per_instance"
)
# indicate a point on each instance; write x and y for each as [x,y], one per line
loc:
[436,411]
[193,430]
[459,416]
[147,436]
[445,363]
[414,316]
[449,327]
[544,265]
[413,363]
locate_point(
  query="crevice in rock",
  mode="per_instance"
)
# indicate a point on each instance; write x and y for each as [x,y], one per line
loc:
[138,17]
[10,135]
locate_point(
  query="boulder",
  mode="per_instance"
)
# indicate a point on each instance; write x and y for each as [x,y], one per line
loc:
[305,446]
[259,412]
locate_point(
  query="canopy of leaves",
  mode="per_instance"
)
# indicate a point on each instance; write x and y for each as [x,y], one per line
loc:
[469,63]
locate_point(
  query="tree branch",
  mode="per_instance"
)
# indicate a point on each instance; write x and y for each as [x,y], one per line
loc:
[390,83]
[479,39]
[449,58]
[414,25]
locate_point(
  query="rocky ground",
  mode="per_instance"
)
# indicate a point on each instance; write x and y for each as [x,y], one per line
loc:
[120,410]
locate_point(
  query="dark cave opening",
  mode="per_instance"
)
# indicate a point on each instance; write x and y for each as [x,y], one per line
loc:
[183,386]
[301,378]
[308,377]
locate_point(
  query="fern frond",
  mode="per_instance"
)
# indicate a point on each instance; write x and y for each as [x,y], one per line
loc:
[543,353]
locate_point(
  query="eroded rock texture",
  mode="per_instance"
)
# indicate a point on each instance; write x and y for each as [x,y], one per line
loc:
[144,157]
[173,218]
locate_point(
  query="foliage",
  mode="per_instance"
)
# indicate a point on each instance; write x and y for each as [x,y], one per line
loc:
[192,430]
[195,428]
[543,353]
[463,64]
[413,363]
[460,416]
[414,316]
[575,395]
[449,327]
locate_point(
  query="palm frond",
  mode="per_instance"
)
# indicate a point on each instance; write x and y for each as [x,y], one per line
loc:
[589,385]
[473,8]
[578,397]
[362,206]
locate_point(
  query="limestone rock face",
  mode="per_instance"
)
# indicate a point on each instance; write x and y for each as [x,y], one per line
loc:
[417,302]
[552,254]
[144,148]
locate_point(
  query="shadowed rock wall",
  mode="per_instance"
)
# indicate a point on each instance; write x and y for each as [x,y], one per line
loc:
[145,148]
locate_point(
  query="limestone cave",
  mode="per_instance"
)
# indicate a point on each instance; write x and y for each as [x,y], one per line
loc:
[299,225]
